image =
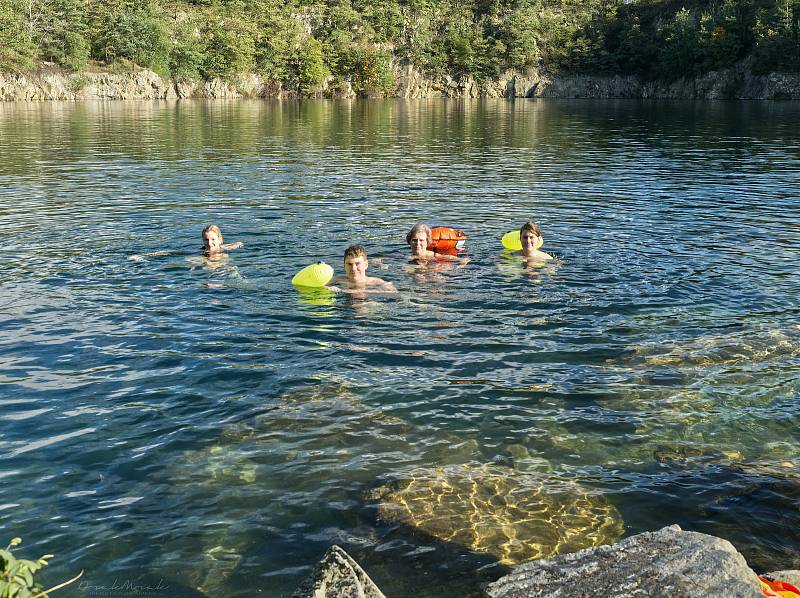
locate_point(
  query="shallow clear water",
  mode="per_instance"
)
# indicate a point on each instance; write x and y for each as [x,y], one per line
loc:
[206,425]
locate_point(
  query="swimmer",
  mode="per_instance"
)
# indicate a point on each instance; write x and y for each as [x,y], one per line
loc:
[356,279]
[530,235]
[212,241]
[418,238]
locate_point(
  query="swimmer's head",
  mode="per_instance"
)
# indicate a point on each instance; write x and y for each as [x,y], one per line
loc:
[212,239]
[418,238]
[529,236]
[355,263]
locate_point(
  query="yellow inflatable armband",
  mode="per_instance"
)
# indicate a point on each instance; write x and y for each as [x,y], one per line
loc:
[315,275]
[512,242]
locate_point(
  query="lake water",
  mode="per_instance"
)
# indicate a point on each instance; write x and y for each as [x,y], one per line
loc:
[206,427]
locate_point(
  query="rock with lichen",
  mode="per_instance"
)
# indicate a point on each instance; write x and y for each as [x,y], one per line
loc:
[668,563]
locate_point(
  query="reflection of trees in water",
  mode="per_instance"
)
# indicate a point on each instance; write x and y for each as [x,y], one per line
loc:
[55,131]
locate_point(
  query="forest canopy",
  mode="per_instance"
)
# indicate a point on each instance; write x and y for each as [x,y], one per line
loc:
[305,42]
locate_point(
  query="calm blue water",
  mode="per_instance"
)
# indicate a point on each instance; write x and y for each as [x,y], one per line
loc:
[208,426]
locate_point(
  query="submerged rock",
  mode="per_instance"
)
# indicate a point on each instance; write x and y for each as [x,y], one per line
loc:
[741,347]
[668,562]
[338,576]
[218,564]
[513,516]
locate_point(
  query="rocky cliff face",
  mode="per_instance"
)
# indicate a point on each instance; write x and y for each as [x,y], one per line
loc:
[737,82]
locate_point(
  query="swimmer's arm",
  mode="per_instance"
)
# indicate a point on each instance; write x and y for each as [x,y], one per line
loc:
[452,258]
[383,286]
[339,285]
[230,246]
[140,257]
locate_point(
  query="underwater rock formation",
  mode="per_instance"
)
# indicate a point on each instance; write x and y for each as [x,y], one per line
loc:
[668,562]
[513,516]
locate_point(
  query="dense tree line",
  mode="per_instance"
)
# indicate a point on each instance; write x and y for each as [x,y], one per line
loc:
[304,42]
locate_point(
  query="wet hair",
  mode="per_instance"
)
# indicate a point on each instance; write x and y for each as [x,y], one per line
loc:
[419,228]
[531,226]
[355,251]
[211,228]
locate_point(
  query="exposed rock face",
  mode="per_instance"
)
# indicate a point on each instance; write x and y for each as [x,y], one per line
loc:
[668,562]
[139,85]
[736,82]
[338,576]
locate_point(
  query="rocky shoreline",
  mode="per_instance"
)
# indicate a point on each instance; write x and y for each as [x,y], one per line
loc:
[735,83]
[669,562]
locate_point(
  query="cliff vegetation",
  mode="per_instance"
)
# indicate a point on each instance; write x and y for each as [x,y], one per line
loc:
[303,44]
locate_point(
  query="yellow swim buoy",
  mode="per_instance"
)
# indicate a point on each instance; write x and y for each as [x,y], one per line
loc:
[315,275]
[512,242]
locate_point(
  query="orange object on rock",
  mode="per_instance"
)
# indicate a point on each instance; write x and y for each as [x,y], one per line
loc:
[774,587]
[445,239]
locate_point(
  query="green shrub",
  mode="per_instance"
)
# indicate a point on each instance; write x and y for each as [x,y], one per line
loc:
[230,46]
[16,580]
[17,575]
[278,38]
[372,71]
[133,31]
[188,52]
[76,51]
[310,66]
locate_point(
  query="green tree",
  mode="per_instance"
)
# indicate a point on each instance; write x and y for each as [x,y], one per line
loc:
[230,44]
[521,33]
[678,46]
[777,37]
[310,66]
[135,31]
[18,49]
[373,72]
[278,35]
[61,31]
[188,52]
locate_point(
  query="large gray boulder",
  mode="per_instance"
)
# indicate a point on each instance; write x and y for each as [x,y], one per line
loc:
[338,576]
[668,562]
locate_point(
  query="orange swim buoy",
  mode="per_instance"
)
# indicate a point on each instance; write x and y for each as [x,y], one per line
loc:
[774,587]
[447,240]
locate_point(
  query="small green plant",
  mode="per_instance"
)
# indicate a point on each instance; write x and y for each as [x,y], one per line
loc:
[78,83]
[16,578]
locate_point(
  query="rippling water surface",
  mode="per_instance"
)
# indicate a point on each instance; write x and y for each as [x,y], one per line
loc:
[206,425]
